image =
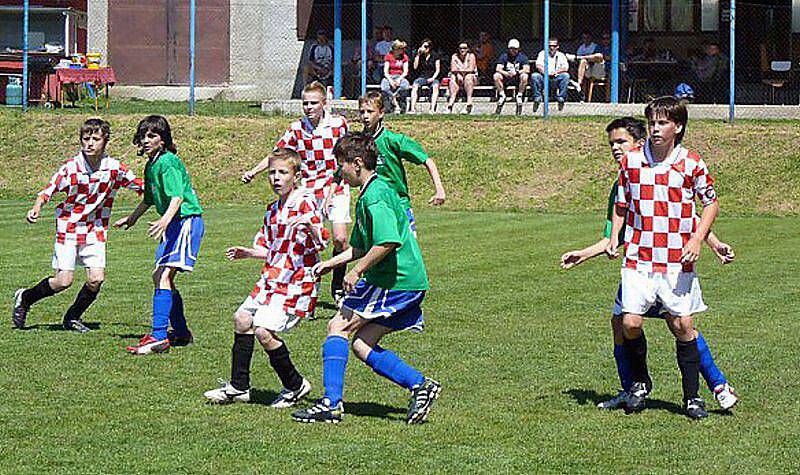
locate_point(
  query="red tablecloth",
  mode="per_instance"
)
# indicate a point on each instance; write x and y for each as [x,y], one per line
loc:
[102,76]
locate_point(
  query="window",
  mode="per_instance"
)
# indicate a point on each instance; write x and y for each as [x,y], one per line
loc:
[709,15]
[664,15]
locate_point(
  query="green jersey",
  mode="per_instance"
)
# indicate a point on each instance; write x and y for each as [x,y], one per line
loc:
[393,148]
[380,219]
[612,204]
[165,177]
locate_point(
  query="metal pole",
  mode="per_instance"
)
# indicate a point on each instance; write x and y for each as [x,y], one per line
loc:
[25,12]
[615,20]
[337,48]
[192,15]
[546,50]
[364,58]
[732,67]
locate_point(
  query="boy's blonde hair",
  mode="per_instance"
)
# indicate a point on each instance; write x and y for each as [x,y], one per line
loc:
[286,155]
[316,86]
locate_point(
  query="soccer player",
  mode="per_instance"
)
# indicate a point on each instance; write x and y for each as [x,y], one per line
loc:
[658,186]
[393,148]
[289,243]
[313,136]
[179,231]
[626,134]
[90,180]
[384,290]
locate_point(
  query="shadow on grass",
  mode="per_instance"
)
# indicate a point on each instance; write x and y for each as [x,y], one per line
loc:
[262,397]
[371,409]
[58,327]
[584,396]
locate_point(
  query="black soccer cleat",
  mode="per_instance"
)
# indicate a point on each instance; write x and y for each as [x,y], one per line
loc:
[321,411]
[636,398]
[179,340]
[76,326]
[696,409]
[20,312]
[422,398]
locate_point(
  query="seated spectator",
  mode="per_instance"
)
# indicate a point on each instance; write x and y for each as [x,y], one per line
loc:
[512,69]
[380,50]
[557,73]
[484,56]
[320,61]
[427,67]
[711,74]
[463,73]
[353,69]
[590,61]
[395,72]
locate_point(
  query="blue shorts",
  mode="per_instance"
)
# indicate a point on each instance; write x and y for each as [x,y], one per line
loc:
[395,309]
[180,244]
[656,311]
[412,223]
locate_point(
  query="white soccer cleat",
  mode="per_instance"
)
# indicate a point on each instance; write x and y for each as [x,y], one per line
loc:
[288,398]
[616,402]
[726,397]
[227,394]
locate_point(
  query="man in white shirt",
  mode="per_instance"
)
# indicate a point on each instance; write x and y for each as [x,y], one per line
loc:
[557,73]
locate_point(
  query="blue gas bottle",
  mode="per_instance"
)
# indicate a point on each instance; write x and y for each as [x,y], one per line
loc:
[14,92]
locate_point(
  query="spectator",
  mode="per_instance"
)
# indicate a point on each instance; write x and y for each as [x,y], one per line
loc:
[320,61]
[484,55]
[463,73]
[590,61]
[428,67]
[557,73]
[381,49]
[395,72]
[513,69]
[711,74]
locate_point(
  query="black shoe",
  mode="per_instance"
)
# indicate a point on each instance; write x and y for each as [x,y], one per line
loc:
[535,106]
[175,340]
[636,398]
[20,312]
[696,409]
[76,326]
[561,105]
[321,411]
[422,398]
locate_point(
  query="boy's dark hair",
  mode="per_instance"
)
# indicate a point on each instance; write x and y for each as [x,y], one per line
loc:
[671,108]
[374,97]
[635,127]
[158,125]
[96,124]
[357,145]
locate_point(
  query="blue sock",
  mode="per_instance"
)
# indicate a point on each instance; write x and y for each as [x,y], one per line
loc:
[162,304]
[708,368]
[391,367]
[623,366]
[176,316]
[334,364]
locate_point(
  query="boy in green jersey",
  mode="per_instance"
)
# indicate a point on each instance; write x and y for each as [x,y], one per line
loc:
[384,289]
[179,231]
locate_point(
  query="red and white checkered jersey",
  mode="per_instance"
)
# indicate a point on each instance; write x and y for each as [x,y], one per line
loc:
[660,198]
[315,146]
[294,237]
[83,217]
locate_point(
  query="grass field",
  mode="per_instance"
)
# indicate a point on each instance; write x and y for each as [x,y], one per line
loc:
[522,349]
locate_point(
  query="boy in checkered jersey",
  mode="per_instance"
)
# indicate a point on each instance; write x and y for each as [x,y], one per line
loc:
[313,136]
[626,134]
[658,186]
[90,180]
[289,243]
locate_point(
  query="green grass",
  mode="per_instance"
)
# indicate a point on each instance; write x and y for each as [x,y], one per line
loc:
[523,351]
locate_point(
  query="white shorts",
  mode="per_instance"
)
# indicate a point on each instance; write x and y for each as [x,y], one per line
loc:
[679,293]
[272,316]
[339,210]
[66,256]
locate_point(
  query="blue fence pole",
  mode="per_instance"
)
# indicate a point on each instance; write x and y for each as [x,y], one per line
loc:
[546,49]
[364,58]
[192,15]
[732,68]
[615,14]
[337,48]
[25,13]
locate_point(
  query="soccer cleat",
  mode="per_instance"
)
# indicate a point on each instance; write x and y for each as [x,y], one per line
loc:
[288,398]
[175,340]
[725,396]
[422,398]
[76,326]
[227,394]
[635,398]
[20,312]
[616,402]
[147,345]
[321,411]
[696,408]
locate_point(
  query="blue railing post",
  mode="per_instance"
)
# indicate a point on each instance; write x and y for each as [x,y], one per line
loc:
[337,48]
[732,68]
[192,18]
[615,21]
[25,27]
[364,59]
[546,74]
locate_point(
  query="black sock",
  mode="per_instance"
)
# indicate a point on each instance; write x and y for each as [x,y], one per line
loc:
[689,364]
[337,279]
[85,298]
[241,354]
[281,362]
[37,292]
[637,355]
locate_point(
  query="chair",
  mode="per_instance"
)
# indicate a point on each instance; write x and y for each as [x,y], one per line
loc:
[780,74]
[598,82]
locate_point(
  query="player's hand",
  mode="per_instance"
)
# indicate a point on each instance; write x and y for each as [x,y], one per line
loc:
[237,252]
[571,259]
[33,215]
[248,176]
[350,280]
[724,253]
[691,251]
[321,268]
[157,229]
[125,222]
[611,248]
[437,199]
[327,204]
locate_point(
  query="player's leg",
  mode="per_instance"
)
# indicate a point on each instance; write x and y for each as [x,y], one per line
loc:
[339,215]
[86,296]
[238,389]
[188,243]
[157,341]
[295,386]
[179,335]
[724,394]
[622,364]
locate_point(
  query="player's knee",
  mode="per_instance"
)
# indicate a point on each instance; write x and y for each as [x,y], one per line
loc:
[242,322]
[94,283]
[62,281]
[337,327]
[360,348]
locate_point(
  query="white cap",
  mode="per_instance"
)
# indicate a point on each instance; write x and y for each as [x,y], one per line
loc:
[513,43]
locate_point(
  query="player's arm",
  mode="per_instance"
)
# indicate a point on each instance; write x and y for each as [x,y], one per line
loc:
[58,182]
[433,171]
[573,258]
[691,251]
[248,176]
[723,251]
[130,220]
[238,252]
[375,254]
[617,221]
[159,227]
[36,209]
[350,254]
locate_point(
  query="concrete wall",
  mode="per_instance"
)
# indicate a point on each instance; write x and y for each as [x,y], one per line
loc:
[97,28]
